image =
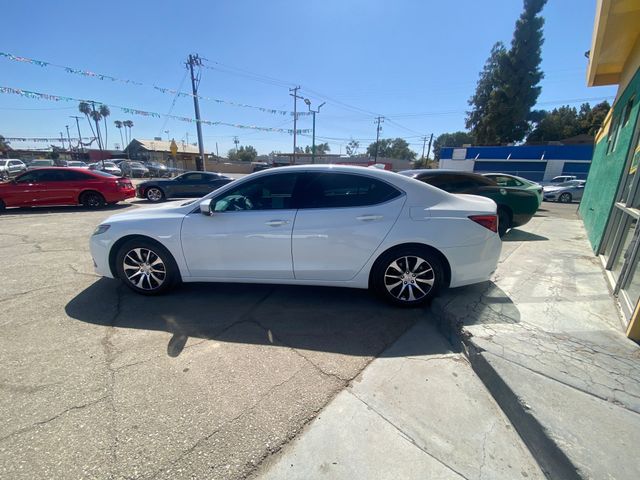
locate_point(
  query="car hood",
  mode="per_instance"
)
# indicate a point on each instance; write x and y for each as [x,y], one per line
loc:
[169,209]
[554,189]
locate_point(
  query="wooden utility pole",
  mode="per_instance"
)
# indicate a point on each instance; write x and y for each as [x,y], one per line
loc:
[295,119]
[194,60]
[378,128]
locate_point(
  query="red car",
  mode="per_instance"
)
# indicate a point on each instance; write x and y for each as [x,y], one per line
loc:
[65,186]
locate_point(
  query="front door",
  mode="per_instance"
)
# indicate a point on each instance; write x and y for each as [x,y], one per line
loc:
[248,234]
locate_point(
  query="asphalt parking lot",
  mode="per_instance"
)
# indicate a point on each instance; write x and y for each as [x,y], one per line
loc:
[98,382]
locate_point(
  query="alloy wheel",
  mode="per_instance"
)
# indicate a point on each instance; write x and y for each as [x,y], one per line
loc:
[154,194]
[409,278]
[565,198]
[144,268]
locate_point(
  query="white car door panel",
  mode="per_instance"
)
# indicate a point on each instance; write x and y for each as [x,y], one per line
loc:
[339,248]
[244,244]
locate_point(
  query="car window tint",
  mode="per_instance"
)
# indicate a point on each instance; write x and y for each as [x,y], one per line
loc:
[29,177]
[72,176]
[273,192]
[193,177]
[503,181]
[336,190]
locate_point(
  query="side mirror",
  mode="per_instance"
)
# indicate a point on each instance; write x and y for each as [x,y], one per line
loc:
[205,207]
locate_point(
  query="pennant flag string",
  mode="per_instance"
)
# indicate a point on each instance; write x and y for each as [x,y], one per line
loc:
[46,139]
[170,91]
[144,113]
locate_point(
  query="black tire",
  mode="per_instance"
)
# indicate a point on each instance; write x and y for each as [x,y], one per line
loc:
[565,197]
[154,194]
[504,221]
[92,200]
[407,276]
[146,267]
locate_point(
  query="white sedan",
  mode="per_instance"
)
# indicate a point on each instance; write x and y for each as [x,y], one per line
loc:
[308,225]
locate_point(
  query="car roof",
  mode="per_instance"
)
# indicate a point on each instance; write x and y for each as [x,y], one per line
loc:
[438,171]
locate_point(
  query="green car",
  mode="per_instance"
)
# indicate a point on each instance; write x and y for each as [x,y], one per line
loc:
[506,180]
[516,206]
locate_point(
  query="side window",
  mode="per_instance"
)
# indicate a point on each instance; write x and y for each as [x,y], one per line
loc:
[507,181]
[72,176]
[335,190]
[272,192]
[193,177]
[29,177]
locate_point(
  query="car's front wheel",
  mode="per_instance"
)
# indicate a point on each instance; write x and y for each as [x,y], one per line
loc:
[146,267]
[408,276]
[154,194]
[565,198]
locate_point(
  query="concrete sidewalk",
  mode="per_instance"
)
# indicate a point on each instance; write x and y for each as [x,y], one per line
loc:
[546,339]
[417,412]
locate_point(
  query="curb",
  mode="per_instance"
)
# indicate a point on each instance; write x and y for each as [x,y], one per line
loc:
[546,452]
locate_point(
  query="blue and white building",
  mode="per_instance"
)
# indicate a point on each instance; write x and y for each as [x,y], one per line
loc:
[539,163]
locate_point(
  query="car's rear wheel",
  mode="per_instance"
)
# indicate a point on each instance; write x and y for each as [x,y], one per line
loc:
[407,276]
[504,221]
[154,194]
[146,267]
[92,200]
[565,198]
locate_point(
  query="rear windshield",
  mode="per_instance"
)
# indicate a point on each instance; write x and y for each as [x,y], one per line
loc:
[103,174]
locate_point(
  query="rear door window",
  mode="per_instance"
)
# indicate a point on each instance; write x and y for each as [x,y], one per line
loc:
[339,190]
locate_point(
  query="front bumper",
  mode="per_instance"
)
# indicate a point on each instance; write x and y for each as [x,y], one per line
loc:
[100,246]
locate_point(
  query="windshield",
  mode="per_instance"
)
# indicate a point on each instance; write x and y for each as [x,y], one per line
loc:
[3,163]
[103,174]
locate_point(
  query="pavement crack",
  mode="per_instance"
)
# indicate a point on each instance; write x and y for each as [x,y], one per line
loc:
[408,437]
[55,417]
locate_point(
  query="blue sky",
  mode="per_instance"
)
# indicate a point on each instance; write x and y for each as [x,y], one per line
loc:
[415,62]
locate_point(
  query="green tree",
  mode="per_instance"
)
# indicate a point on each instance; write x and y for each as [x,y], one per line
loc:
[392,148]
[86,109]
[455,139]
[566,121]
[243,154]
[508,86]
[119,125]
[104,113]
[321,148]
[4,145]
[352,147]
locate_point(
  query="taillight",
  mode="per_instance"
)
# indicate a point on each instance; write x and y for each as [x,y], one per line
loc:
[487,221]
[124,184]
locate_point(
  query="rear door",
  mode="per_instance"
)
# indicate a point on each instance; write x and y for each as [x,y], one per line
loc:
[341,221]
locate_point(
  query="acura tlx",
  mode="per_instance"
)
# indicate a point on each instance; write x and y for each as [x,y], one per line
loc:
[308,225]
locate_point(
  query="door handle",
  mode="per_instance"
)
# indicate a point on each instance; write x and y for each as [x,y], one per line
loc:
[369,218]
[276,223]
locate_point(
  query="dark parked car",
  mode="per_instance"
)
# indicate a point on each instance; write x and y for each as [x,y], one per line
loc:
[515,205]
[133,169]
[189,184]
[64,186]
[158,170]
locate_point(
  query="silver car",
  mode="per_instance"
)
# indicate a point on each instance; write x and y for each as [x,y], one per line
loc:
[565,192]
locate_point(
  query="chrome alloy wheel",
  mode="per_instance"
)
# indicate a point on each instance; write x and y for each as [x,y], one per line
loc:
[144,268]
[409,278]
[154,194]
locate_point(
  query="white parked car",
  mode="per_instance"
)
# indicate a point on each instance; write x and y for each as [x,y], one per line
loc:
[308,225]
[10,167]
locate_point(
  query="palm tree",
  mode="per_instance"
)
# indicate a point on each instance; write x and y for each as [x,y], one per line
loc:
[105,112]
[96,117]
[118,125]
[85,108]
[128,124]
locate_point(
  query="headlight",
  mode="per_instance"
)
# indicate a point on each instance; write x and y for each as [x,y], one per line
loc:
[100,229]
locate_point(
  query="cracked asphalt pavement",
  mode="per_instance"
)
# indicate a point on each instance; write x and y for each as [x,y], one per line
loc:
[206,382]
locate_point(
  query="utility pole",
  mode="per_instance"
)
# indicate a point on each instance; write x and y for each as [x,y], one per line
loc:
[295,118]
[236,141]
[429,149]
[68,137]
[217,154]
[378,128]
[62,140]
[313,143]
[80,145]
[194,60]
[424,143]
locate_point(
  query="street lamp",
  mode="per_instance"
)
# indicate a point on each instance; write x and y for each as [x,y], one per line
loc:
[313,143]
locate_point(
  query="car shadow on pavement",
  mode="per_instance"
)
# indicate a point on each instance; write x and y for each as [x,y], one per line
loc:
[481,303]
[340,320]
[515,235]
[62,209]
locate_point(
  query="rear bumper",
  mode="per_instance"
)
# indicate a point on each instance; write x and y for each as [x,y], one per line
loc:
[520,219]
[119,195]
[473,264]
